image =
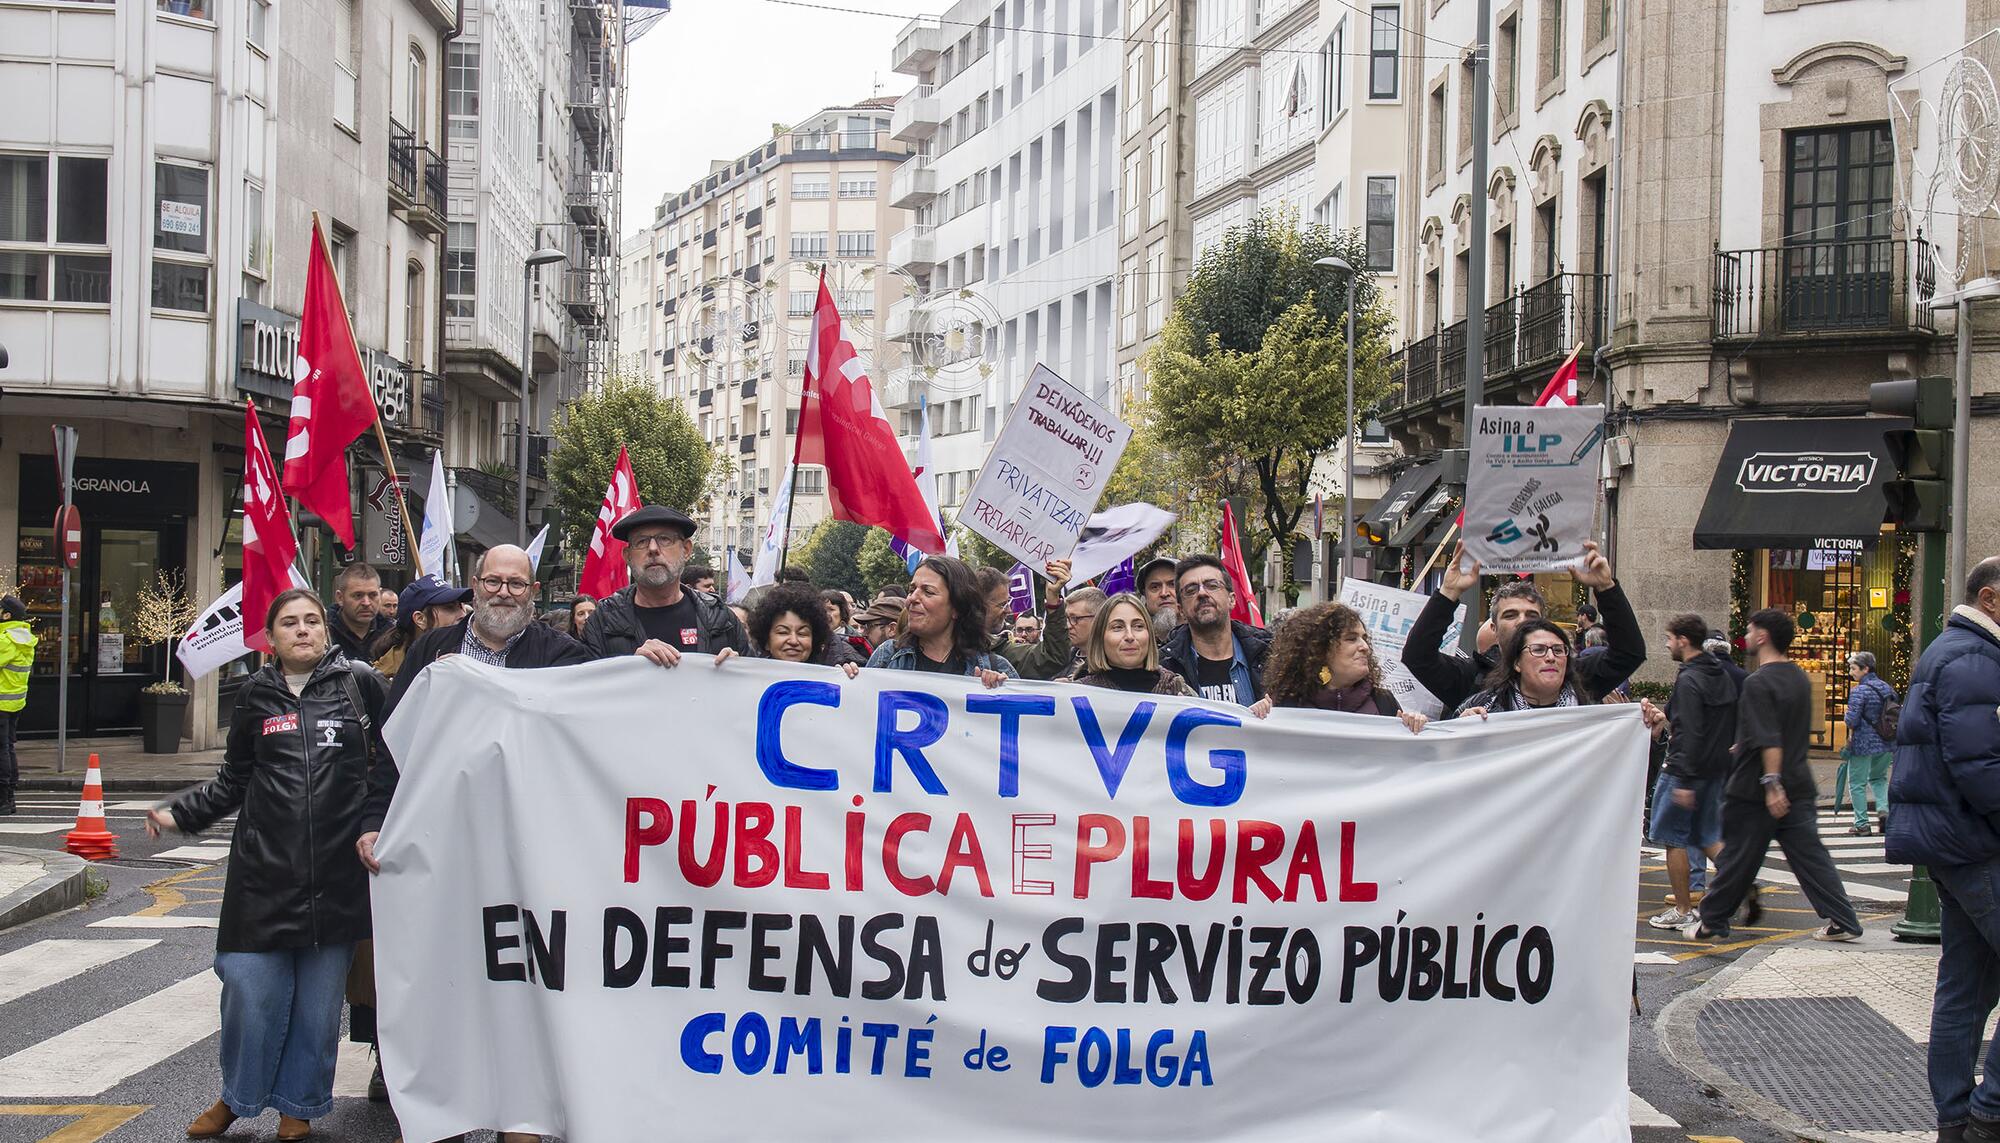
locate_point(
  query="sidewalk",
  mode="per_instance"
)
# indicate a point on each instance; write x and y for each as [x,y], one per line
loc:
[1823,1041]
[127,769]
[35,883]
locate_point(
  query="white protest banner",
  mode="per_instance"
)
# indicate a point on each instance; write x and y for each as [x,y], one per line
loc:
[1532,486]
[216,637]
[1045,472]
[764,901]
[1112,536]
[1390,612]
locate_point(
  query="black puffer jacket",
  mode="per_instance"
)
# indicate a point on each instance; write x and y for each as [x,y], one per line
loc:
[295,772]
[614,629]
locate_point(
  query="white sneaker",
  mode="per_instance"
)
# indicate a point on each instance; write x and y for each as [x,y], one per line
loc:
[1671,919]
[1833,932]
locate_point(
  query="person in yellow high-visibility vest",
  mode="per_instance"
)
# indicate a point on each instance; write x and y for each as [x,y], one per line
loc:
[17,655]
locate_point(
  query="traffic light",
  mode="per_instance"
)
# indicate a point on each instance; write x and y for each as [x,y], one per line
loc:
[1919,497]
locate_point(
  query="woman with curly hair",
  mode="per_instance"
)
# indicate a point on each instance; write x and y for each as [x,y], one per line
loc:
[1322,658]
[1120,652]
[944,627]
[790,624]
[1536,670]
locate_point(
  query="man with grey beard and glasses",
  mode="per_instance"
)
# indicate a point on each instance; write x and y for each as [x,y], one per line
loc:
[658,616]
[500,632]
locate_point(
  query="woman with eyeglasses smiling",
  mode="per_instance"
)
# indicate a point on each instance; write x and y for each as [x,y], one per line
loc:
[1536,670]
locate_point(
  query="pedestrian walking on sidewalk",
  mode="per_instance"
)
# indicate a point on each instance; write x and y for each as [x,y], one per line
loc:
[1946,789]
[1872,709]
[1700,724]
[17,658]
[1770,794]
[295,900]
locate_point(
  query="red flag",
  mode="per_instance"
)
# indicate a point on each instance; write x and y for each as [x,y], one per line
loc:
[268,544]
[867,477]
[1246,609]
[604,570]
[331,401]
[1561,389]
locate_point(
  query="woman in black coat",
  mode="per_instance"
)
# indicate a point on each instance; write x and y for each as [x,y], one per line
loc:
[295,771]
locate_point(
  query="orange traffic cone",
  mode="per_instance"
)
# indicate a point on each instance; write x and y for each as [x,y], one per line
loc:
[90,839]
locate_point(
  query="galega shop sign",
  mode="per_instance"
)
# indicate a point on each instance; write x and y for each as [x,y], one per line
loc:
[1834,472]
[268,345]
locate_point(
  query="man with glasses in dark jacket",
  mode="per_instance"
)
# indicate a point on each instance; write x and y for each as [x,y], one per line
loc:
[1218,656]
[656,616]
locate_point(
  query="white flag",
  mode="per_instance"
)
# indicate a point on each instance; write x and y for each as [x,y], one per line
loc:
[739,580]
[773,547]
[1110,536]
[535,548]
[438,529]
[216,637]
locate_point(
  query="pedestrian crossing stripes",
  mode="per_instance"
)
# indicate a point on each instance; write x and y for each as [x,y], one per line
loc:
[7,827]
[43,963]
[97,1055]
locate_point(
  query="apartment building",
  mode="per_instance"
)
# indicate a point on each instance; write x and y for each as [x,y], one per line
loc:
[725,281]
[1742,242]
[160,165]
[1156,178]
[1013,246]
[534,103]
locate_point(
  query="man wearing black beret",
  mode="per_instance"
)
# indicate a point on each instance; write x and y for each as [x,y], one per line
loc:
[655,616]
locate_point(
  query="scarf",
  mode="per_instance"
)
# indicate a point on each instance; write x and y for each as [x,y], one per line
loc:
[1518,701]
[1356,699]
[1137,679]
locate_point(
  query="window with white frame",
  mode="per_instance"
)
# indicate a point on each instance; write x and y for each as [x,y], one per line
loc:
[346,65]
[461,92]
[854,302]
[1156,198]
[256,241]
[461,261]
[1156,287]
[856,244]
[415,100]
[857,186]
[53,235]
[1385,39]
[809,186]
[1333,74]
[181,218]
[1163,58]
[258,31]
[809,244]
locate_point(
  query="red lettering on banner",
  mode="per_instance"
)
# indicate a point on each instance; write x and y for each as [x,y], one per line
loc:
[1257,844]
[1143,882]
[638,836]
[796,875]
[892,844]
[753,842]
[1350,889]
[963,852]
[1089,853]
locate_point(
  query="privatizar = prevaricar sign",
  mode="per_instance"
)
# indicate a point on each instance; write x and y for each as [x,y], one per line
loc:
[1045,473]
[765,901]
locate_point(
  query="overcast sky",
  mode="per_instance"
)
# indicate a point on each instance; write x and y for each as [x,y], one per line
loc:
[709,79]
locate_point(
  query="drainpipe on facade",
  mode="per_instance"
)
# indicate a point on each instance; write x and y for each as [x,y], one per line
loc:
[1613,200]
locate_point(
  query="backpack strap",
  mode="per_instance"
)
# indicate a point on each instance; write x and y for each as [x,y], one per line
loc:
[361,709]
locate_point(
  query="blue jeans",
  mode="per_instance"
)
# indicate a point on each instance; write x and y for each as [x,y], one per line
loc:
[281,1028]
[1968,985]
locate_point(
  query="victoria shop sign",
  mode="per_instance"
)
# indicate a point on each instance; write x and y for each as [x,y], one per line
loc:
[268,343]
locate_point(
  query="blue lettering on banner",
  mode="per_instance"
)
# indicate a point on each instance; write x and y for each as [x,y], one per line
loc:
[932,718]
[1010,708]
[771,758]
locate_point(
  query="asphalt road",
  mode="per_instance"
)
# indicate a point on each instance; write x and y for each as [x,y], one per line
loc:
[140,968]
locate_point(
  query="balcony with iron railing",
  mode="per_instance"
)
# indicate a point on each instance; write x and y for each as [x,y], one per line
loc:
[405,166]
[427,411]
[427,214]
[917,115]
[1841,289]
[583,294]
[1528,333]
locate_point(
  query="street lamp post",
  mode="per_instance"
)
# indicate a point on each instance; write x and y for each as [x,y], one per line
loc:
[1347,489]
[1961,426]
[543,257]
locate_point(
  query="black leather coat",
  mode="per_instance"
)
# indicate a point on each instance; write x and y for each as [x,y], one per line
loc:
[295,772]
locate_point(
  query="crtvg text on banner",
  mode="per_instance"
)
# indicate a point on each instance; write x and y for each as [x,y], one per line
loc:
[766,901]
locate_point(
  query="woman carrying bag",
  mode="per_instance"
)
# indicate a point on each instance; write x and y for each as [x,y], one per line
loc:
[295,902]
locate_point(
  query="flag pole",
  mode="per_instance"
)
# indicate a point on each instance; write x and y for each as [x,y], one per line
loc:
[1435,553]
[381,438]
[799,437]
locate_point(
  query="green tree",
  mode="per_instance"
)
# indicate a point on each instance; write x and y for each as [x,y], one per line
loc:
[672,463]
[1247,384]
[832,558]
[878,563]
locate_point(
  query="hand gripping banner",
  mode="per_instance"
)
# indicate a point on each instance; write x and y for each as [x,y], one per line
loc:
[764,901]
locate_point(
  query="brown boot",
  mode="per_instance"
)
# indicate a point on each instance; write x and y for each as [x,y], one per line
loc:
[212,1122]
[290,1129]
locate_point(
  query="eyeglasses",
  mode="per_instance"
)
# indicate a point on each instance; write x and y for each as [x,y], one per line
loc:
[1073,620]
[661,542]
[1205,587]
[495,585]
[1547,650]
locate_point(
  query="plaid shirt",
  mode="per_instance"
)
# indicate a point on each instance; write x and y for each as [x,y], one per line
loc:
[481,653]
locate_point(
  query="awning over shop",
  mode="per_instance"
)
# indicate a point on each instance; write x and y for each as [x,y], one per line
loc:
[1799,483]
[1408,491]
[1422,520]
